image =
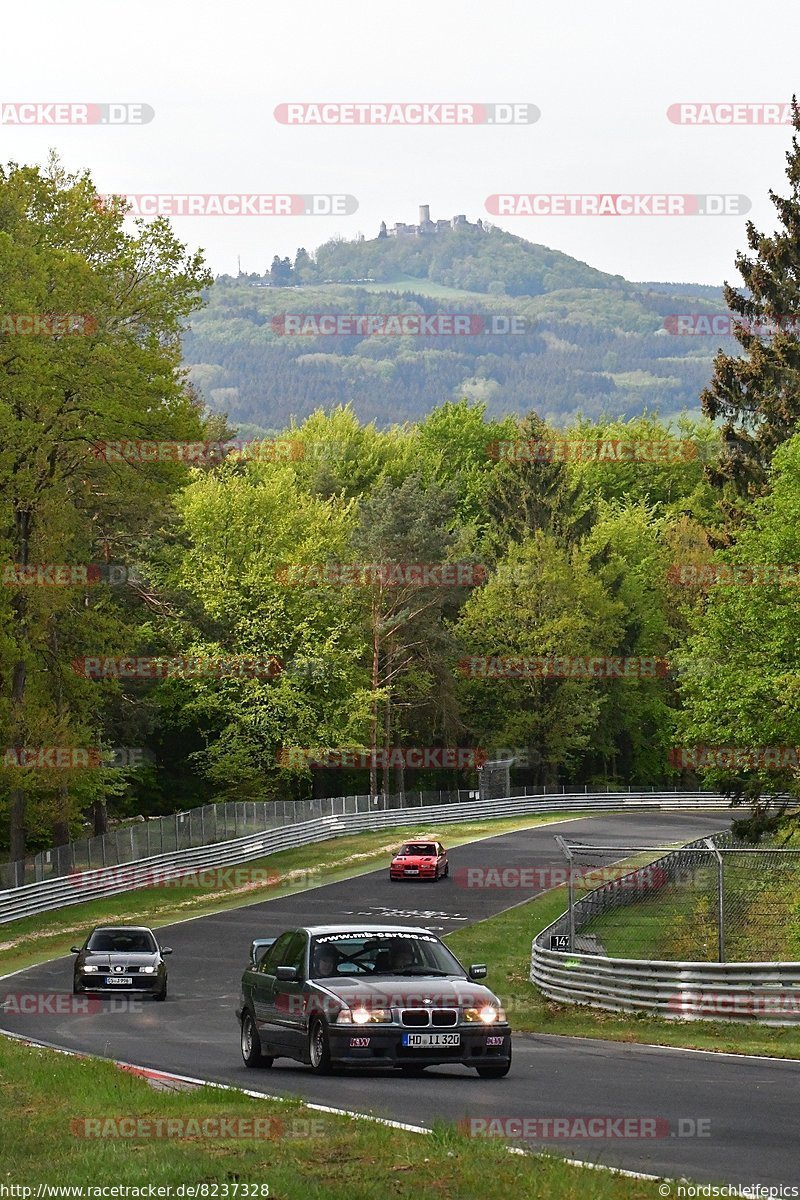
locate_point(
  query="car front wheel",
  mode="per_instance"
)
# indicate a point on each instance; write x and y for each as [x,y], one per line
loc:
[495,1070]
[251,1045]
[319,1048]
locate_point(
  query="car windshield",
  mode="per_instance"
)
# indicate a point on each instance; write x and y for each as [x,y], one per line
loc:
[122,941]
[381,952]
[419,848]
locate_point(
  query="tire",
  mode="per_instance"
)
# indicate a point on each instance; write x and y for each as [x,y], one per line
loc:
[446,870]
[319,1048]
[251,1044]
[162,994]
[77,990]
[496,1070]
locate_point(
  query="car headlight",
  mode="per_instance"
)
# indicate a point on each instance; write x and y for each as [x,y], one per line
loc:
[147,970]
[88,968]
[486,1015]
[363,1016]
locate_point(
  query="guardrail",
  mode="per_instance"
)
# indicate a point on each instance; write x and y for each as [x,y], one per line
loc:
[766,992]
[111,880]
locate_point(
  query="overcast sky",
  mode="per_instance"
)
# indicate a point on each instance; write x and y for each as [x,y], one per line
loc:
[603,76]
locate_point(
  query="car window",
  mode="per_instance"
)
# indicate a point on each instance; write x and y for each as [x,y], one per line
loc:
[295,952]
[380,952]
[418,848]
[274,955]
[122,941]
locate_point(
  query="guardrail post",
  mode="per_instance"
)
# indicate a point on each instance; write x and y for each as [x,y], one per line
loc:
[720,901]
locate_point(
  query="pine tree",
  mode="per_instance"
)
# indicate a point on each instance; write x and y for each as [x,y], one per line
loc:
[757,395]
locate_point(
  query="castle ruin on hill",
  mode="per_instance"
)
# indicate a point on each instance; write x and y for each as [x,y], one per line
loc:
[426,226]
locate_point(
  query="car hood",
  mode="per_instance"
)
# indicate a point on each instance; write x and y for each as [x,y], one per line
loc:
[414,860]
[398,992]
[105,958]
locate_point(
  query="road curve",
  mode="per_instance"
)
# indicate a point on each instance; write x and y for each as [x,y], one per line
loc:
[746,1104]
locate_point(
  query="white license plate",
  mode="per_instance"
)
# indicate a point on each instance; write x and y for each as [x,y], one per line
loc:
[118,979]
[412,871]
[431,1039]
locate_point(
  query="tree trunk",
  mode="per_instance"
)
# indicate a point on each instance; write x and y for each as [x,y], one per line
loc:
[17,830]
[373,732]
[61,821]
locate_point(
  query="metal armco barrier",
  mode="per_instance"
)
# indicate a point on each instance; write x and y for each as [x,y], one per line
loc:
[763,992]
[109,881]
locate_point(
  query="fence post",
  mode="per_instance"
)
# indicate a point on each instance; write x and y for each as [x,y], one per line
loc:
[720,901]
[565,850]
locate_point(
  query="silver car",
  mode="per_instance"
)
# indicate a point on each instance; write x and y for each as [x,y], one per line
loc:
[121,958]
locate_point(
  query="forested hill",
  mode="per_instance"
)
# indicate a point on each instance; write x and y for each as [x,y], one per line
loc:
[473,260]
[585,341]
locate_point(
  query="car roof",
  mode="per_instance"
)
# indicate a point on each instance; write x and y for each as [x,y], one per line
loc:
[122,929]
[366,927]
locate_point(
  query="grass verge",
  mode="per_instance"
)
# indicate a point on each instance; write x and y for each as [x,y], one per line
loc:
[47,1100]
[31,940]
[504,943]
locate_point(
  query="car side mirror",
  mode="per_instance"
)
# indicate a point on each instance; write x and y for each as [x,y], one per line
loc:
[74,949]
[477,971]
[287,974]
[166,949]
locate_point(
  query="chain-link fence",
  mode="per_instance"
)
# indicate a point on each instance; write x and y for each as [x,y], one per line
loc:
[714,900]
[224,820]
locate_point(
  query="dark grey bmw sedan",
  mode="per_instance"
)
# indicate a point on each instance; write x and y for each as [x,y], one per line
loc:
[354,996]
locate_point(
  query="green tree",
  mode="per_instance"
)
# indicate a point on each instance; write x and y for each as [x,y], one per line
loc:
[115,374]
[756,395]
[742,667]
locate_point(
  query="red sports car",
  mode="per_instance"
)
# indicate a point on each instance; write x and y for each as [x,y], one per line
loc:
[420,860]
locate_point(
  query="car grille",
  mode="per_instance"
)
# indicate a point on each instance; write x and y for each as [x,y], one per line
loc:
[417,1018]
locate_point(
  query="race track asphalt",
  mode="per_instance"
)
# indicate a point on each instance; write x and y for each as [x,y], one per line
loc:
[747,1107]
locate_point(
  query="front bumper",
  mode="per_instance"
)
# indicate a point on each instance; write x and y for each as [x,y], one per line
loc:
[478,1046]
[421,873]
[139,984]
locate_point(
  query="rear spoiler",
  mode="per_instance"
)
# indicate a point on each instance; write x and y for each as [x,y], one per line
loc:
[258,948]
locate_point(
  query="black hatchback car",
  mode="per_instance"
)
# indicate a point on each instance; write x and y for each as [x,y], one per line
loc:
[355,996]
[121,958]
